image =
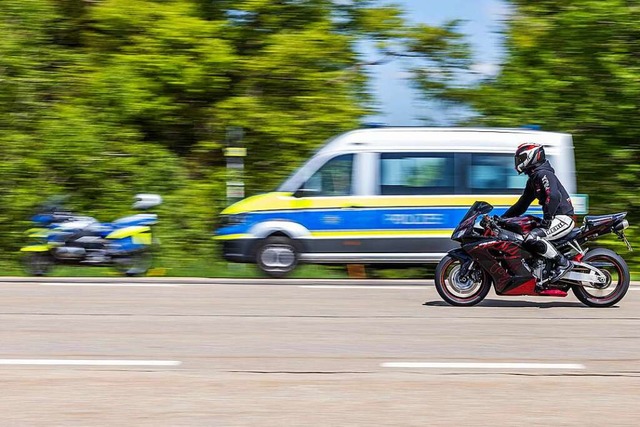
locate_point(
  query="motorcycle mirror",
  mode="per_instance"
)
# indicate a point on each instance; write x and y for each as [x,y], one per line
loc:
[146,201]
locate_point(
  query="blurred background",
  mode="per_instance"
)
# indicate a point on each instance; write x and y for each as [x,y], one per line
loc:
[103,99]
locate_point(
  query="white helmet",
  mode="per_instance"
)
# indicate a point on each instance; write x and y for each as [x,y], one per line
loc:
[528,156]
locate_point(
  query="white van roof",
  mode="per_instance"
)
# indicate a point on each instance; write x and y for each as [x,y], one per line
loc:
[444,139]
[558,146]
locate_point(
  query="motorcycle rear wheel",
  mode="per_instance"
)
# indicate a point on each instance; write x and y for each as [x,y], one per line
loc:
[136,264]
[615,268]
[455,291]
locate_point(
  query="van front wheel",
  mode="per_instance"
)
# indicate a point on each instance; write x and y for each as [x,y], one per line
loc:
[277,256]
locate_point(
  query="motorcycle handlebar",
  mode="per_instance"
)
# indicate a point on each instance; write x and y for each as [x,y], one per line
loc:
[487,222]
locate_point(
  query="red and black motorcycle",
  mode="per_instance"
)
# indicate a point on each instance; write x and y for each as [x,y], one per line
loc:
[493,252]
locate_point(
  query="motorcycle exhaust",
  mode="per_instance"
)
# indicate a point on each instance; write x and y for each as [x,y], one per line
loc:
[621,225]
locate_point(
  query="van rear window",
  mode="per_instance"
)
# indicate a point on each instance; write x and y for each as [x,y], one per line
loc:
[416,173]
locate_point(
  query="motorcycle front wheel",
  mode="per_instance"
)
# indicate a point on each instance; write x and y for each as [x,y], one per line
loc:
[38,263]
[459,291]
[617,272]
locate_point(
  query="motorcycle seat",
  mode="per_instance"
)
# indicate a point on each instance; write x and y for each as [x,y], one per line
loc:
[568,238]
[595,220]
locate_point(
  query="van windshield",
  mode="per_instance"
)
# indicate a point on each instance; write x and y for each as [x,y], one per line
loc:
[334,178]
[301,175]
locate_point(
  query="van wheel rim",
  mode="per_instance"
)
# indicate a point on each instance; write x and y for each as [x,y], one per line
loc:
[278,257]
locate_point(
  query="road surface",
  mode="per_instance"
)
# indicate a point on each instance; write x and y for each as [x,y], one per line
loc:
[172,352]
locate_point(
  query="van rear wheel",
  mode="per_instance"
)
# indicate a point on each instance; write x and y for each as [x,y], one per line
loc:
[277,256]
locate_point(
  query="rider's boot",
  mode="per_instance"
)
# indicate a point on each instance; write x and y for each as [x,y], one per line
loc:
[562,267]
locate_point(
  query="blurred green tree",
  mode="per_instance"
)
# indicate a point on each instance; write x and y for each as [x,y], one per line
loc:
[570,66]
[103,99]
[573,67]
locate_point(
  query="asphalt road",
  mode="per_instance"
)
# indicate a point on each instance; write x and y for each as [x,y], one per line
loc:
[311,353]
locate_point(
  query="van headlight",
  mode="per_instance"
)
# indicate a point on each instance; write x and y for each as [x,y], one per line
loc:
[228,220]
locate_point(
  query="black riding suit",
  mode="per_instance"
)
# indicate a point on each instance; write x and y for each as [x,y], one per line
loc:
[543,184]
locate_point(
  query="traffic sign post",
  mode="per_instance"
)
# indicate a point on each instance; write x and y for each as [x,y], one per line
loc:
[235,152]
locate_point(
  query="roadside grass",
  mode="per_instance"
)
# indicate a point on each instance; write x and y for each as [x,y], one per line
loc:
[216,268]
[11,269]
[231,270]
[190,268]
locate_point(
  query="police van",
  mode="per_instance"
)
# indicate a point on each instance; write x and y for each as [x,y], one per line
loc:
[386,196]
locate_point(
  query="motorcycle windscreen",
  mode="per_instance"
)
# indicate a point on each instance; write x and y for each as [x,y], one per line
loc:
[478,208]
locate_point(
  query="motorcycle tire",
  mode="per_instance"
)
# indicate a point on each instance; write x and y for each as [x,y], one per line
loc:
[137,264]
[618,271]
[457,292]
[38,264]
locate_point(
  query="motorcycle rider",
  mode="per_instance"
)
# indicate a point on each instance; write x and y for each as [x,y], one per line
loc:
[557,221]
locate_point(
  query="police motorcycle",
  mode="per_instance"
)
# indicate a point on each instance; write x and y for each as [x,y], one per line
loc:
[63,237]
[492,253]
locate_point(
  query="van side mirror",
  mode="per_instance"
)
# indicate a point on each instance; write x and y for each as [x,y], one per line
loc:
[306,192]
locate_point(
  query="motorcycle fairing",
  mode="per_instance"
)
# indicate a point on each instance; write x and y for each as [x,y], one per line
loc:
[521,224]
[139,219]
[37,233]
[130,239]
[35,248]
[504,261]
[601,224]
[127,232]
[526,288]
[592,221]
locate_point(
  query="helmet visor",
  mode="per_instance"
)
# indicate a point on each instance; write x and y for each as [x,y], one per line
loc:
[520,159]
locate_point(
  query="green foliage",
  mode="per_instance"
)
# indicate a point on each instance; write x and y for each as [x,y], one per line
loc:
[104,99]
[573,66]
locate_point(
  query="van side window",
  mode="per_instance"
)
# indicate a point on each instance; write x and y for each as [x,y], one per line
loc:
[416,173]
[493,173]
[332,179]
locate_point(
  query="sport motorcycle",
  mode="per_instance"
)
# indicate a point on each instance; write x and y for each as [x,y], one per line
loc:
[63,237]
[492,252]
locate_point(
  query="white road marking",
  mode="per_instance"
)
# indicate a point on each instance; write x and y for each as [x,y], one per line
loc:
[470,365]
[115,285]
[360,287]
[88,362]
